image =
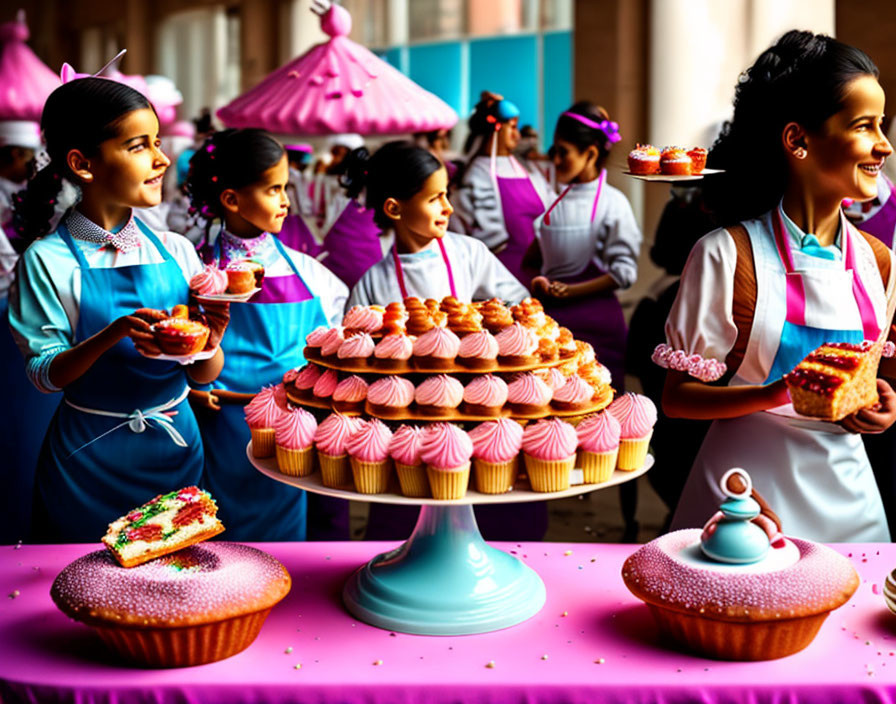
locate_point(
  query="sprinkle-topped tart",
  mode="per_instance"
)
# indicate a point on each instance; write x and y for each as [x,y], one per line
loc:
[167,523]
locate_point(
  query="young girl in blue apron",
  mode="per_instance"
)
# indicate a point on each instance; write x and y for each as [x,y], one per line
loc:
[497,200]
[240,177]
[406,188]
[755,298]
[124,431]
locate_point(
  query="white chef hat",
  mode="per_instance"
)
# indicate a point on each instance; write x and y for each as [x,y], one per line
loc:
[349,140]
[20,133]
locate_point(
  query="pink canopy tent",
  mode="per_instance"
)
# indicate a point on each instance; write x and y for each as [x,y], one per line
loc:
[338,86]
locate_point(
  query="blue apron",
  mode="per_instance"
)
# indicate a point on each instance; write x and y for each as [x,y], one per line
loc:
[124,432]
[262,342]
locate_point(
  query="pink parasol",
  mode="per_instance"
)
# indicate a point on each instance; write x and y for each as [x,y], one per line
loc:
[338,86]
[25,82]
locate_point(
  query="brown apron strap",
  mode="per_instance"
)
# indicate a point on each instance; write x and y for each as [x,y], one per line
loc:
[744,303]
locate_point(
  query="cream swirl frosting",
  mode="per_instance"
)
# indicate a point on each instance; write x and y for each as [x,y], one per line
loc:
[356,346]
[497,440]
[550,439]
[263,410]
[575,390]
[370,442]
[404,447]
[332,341]
[326,384]
[316,337]
[446,446]
[599,433]
[480,345]
[636,415]
[332,434]
[307,377]
[440,390]
[530,390]
[351,389]
[517,341]
[486,390]
[294,429]
[554,378]
[392,391]
[365,318]
[437,342]
[395,346]
[210,281]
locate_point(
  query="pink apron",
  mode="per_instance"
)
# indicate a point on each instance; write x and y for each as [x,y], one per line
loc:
[520,206]
[296,235]
[883,223]
[352,244]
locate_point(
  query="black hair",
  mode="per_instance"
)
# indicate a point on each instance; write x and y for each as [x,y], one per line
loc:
[581,135]
[396,170]
[80,114]
[801,78]
[233,158]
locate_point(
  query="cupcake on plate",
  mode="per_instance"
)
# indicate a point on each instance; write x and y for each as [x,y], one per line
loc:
[294,440]
[356,350]
[549,449]
[598,446]
[368,451]
[485,396]
[325,386]
[331,342]
[304,381]
[575,395]
[436,349]
[390,397]
[698,159]
[644,159]
[350,394]
[261,415]
[675,161]
[552,376]
[637,416]
[496,451]
[439,396]
[211,281]
[404,448]
[366,319]
[517,346]
[330,439]
[393,352]
[446,450]
[313,341]
[479,351]
[528,395]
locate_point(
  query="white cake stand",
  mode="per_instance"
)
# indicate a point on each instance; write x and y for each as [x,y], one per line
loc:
[445,579]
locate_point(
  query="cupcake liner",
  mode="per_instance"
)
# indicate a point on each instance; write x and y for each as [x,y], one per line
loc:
[371,477]
[633,452]
[335,470]
[262,442]
[448,484]
[295,463]
[597,467]
[495,477]
[549,475]
[413,480]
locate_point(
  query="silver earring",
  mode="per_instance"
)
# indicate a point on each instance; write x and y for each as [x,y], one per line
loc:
[800,153]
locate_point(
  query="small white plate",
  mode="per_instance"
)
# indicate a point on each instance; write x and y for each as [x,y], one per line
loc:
[673,178]
[184,358]
[800,421]
[231,297]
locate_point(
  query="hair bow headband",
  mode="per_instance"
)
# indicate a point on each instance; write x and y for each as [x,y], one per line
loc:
[608,127]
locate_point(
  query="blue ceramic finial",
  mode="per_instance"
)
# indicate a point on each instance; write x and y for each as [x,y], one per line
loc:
[736,539]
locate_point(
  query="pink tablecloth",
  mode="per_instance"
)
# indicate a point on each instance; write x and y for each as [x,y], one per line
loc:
[592,642]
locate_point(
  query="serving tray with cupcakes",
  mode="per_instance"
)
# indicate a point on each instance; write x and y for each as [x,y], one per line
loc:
[669,164]
[237,283]
[182,335]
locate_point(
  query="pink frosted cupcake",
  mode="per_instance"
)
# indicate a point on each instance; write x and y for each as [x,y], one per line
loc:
[393,352]
[211,281]
[313,341]
[439,396]
[528,395]
[261,415]
[598,446]
[575,395]
[637,416]
[330,439]
[331,342]
[368,451]
[355,351]
[436,349]
[350,394]
[404,448]
[517,346]
[303,382]
[479,351]
[294,438]
[549,449]
[496,451]
[325,386]
[368,319]
[485,396]
[390,397]
[446,450]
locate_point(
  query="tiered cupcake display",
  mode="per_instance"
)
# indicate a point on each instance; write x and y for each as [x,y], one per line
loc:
[411,396]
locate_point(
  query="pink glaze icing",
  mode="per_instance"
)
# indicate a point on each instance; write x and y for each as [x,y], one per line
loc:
[227,579]
[636,415]
[438,342]
[356,346]
[370,442]
[363,318]
[696,366]
[294,429]
[446,446]
[575,390]
[554,378]
[316,337]
[517,341]
[333,433]
[486,390]
[290,375]
[530,390]
[263,410]
[479,345]
[599,433]
[550,439]
[326,384]
[351,390]
[404,447]
[332,341]
[497,440]
[307,377]
[210,281]
[392,391]
[396,346]
[440,390]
